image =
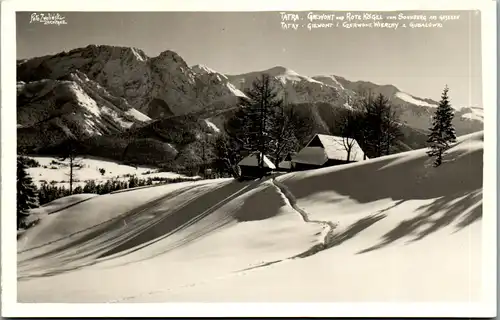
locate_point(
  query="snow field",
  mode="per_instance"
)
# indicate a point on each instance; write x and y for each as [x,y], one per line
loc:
[401,231]
[48,172]
[228,232]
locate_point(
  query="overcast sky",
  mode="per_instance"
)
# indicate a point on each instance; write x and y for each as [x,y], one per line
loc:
[418,61]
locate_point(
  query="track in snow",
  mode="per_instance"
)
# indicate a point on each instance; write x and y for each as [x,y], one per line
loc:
[329,227]
[327,242]
[329,238]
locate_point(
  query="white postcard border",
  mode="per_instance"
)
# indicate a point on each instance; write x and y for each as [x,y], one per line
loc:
[10,308]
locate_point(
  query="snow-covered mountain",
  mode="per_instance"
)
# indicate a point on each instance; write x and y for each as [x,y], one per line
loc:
[159,86]
[214,90]
[413,100]
[347,95]
[102,89]
[290,85]
[98,90]
[472,113]
[209,79]
[414,111]
[51,110]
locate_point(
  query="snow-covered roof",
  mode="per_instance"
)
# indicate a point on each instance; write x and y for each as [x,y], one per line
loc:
[332,147]
[335,148]
[253,161]
[311,155]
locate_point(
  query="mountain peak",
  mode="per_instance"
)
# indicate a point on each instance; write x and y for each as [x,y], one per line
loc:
[169,54]
[169,57]
[95,50]
[280,71]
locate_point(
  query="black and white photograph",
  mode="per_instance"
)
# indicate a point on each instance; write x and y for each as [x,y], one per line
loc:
[223,155]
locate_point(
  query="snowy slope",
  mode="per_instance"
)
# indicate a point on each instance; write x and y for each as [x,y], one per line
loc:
[61,204]
[48,111]
[330,80]
[281,73]
[472,113]
[358,232]
[55,172]
[384,238]
[421,184]
[410,99]
[180,229]
[202,69]
[214,89]
[36,214]
[285,75]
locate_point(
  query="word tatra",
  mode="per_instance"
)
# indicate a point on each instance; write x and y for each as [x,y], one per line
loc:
[289,16]
[286,26]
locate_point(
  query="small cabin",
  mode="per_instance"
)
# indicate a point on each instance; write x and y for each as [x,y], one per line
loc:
[325,151]
[249,166]
[286,164]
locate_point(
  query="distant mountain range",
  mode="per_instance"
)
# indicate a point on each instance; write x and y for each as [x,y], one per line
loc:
[98,92]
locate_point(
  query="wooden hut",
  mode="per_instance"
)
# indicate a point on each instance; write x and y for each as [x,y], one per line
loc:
[249,166]
[325,151]
[286,164]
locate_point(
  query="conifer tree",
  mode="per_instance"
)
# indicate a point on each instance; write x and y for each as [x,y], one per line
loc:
[252,125]
[381,127]
[26,193]
[442,132]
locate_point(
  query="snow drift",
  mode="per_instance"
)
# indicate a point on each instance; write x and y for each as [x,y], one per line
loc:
[391,229]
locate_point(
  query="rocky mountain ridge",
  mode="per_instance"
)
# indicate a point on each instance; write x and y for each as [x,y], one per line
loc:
[108,90]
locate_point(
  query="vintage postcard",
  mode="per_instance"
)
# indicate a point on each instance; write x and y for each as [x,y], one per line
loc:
[265,158]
